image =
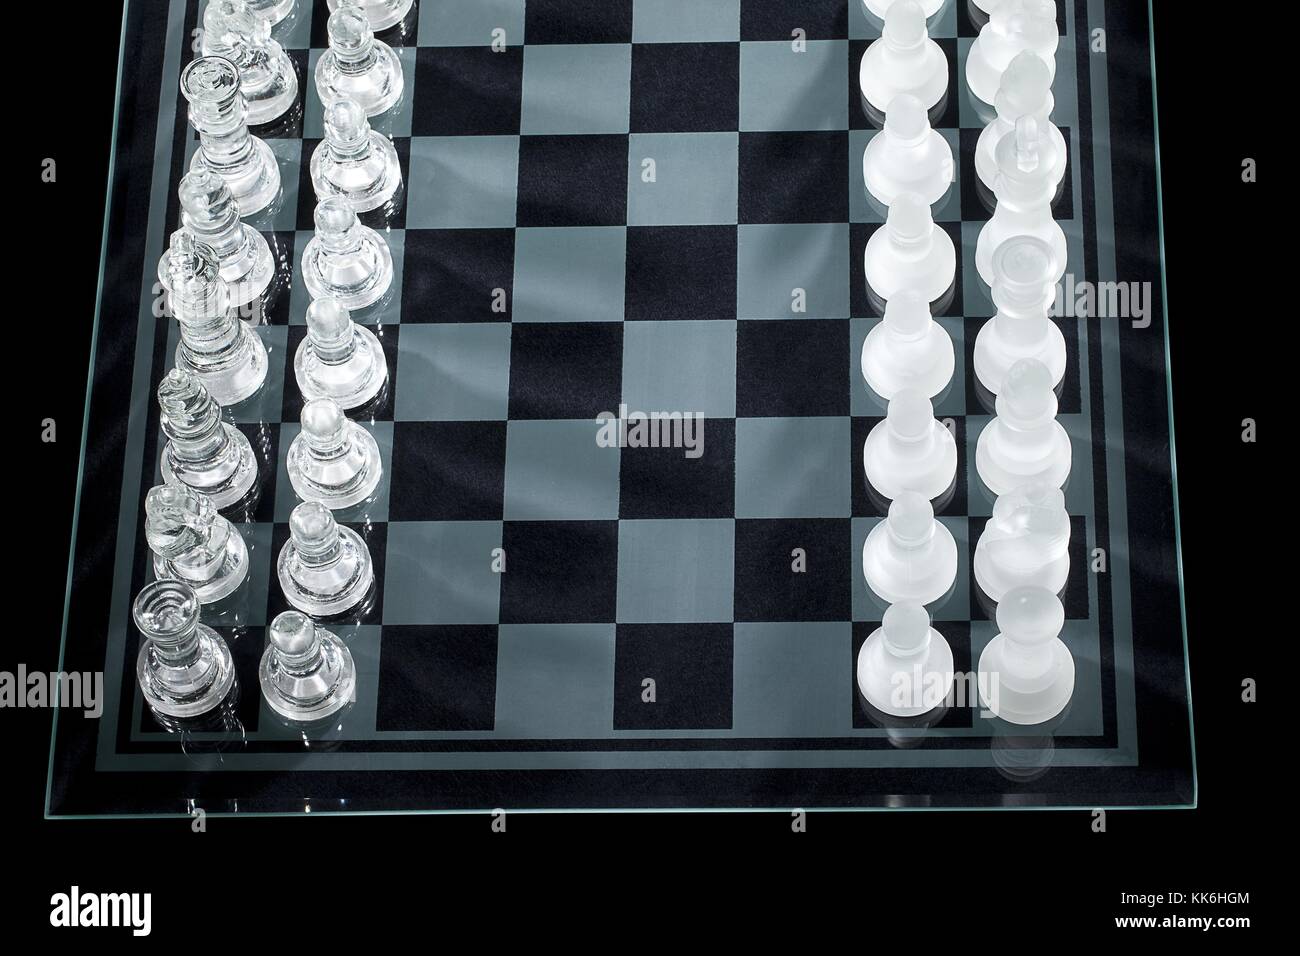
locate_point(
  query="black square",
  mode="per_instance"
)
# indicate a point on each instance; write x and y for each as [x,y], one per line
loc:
[680,272]
[452,275]
[578,21]
[265,439]
[437,678]
[860,302]
[867,502]
[447,471]
[277,301]
[664,483]
[559,572]
[792,367]
[572,181]
[957,634]
[380,409]
[467,91]
[778,19]
[685,87]
[794,177]
[769,586]
[691,666]
[371,609]
[565,369]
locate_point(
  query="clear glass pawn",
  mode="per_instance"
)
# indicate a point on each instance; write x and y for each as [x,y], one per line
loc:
[219,113]
[339,359]
[232,29]
[215,346]
[333,460]
[202,452]
[346,259]
[184,667]
[306,673]
[192,543]
[273,11]
[354,161]
[382,14]
[324,568]
[356,65]
[210,213]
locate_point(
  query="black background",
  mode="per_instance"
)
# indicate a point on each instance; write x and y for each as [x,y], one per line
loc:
[976,878]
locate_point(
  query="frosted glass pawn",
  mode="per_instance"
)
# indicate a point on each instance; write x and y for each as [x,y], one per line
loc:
[910,556]
[1015,26]
[905,666]
[333,460]
[910,252]
[908,350]
[1026,542]
[324,568]
[192,543]
[202,452]
[339,359]
[381,13]
[1024,192]
[354,161]
[357,66]
[881,8]
[1024,442]
[346,259]
[1026,90]
[1026,673]
[1024,270]
[903,60]
[910,450]
[306,672]
[219,113]
[908,155]
[232,29]
[226,356]
[209,212]
[185,668]
[273,11]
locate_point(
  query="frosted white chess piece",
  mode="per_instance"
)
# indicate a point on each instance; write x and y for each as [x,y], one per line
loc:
[232,29]
[192,543]
[356,65]
[1024,271]
[324,568]
[1024,442]
[903,60]
[382,14]
[910,450]
[1025,193]
[202,451]
[339,359]
[1014,26]
[910,556]
[306,672]
[346,259]
[910,252]
[1026,542]
[1026,673]
[333,460]
[1026,90]
[353,160]
[908,155]
[244,260]
[185,668]
[905,667]
[881,8]
[908,349]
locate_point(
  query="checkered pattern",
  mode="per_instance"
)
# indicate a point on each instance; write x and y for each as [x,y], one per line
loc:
[545,276]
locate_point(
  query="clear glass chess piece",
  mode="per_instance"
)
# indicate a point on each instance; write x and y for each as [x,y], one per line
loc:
[184,667]
[232,29]
[244,260]
[339,359]
[354,161]
[192,543]
[324,568]
[219,113]
[382,14]
[333,460]
[273,11]
[346,259]
[357,66]
[202,452]
[216,347]
[306,672]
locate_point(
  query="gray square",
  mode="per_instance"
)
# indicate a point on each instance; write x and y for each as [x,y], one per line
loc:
[687,366]
[774,261]
[695,176]
[555,681]
[376,509]
[454,372]
[676,571]
[570,274]
[783,678]
[461,182]
[863,402]
[786,89]
[793,467]
[685,21]
[440,572]
[556,471]
[387,311]
[954,607]
[470,22]
[576,88]
[246,607]
[392,122]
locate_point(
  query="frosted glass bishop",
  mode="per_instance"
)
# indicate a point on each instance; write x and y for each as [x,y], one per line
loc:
[907,155]
[910,252]
[244,260]
[903,60]
[1015,25]
[357,66]
[231,29]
